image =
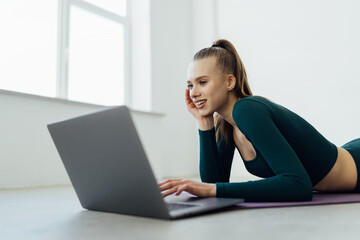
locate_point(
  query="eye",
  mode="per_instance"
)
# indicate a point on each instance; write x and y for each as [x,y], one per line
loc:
[189,86]
[202,82]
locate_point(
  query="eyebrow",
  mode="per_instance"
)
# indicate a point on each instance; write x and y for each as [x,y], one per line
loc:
[198,78]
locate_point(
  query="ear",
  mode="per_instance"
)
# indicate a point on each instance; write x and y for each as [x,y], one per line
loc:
[230,81]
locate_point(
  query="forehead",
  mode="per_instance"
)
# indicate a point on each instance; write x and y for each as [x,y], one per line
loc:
[201,67]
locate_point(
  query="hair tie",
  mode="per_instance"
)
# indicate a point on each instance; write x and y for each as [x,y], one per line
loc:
[215,45]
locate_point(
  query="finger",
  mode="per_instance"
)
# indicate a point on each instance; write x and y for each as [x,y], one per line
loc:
[165,181]
[166,187]
[171,191]
[182,188]
[186,93]
[169,180]
[191,105]
[187,96]
[170,185]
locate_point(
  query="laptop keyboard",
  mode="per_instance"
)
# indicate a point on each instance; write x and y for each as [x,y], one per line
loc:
[178,206]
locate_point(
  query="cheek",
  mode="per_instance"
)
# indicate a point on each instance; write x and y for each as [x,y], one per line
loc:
[214,90]
[219,95]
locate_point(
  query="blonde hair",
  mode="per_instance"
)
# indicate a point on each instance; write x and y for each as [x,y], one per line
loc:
[229,62]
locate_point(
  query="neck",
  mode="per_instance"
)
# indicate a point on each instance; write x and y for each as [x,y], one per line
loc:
[226,111]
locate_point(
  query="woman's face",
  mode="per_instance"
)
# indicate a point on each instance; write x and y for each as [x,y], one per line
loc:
[207,85]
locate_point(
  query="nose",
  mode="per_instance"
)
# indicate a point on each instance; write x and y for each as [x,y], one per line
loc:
[194,92]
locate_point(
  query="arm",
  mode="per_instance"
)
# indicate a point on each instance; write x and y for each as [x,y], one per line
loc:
[215,158]
[291,181]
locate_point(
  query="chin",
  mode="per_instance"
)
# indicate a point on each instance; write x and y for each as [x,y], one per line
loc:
[206,113]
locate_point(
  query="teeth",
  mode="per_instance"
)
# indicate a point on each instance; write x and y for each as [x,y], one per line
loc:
[199,103]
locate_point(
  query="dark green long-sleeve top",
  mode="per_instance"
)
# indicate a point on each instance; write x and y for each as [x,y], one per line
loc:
[291,155]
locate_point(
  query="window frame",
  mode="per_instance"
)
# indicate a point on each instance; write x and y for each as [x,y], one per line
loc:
[62,74]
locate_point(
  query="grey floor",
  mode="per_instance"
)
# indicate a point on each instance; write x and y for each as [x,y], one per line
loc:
[55,213]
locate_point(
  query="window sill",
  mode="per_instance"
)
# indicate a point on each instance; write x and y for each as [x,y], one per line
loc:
[70,102]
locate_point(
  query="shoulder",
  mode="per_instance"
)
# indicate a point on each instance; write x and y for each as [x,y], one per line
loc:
[253,110]
[252,105]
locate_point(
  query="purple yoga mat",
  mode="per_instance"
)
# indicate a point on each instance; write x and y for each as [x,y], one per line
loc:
[318,199]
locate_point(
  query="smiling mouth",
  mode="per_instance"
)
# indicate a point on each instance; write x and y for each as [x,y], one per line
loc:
[200,104]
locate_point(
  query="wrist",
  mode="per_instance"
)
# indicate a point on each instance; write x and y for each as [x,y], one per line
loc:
[206,124]
[213,190]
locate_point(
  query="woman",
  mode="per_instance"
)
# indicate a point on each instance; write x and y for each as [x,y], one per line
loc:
[276,144]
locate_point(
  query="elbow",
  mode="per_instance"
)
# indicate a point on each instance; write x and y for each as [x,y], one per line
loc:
[298,189]
[212,178]
[303,191]
[306,194]
[205,178]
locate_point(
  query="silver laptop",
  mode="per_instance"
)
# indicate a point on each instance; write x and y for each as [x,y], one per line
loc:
[110,172]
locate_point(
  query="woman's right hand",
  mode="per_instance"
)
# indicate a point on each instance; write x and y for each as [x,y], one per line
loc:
[205,123]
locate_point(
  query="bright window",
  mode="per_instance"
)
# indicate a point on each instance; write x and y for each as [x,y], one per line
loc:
[70,49]
[115,6]
[96,59]
[28,46]
[92,52]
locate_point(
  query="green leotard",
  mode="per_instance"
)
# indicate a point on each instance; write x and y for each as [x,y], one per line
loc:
[291,155]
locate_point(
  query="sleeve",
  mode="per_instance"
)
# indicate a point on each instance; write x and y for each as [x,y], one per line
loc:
[291,181]
[215,158]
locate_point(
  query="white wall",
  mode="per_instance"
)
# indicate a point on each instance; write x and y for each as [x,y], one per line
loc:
[28,156]
[139,82]
[171,44]
[303,55]
[204,24]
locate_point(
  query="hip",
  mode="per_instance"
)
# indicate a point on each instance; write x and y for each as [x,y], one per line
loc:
[343,175]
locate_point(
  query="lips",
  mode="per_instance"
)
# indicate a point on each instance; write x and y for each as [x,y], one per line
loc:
[200,104]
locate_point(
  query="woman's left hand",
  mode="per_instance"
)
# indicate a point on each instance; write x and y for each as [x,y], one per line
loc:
[196,188]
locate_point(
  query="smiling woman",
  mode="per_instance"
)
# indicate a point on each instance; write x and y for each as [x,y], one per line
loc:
[275,143]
